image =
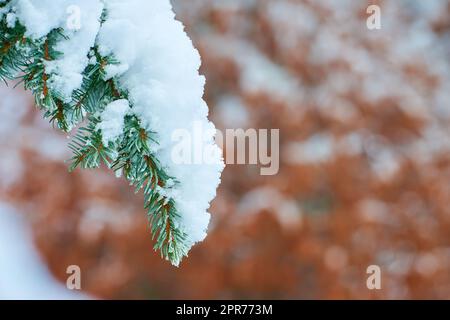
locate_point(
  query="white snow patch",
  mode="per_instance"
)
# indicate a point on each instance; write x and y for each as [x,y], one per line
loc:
[160,72]
[112,120]
[22,272]
[317,149]
[287,210]
[42,16]
[232,112]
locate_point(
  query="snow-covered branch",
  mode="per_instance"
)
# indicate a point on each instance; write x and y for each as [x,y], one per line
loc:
[128,73]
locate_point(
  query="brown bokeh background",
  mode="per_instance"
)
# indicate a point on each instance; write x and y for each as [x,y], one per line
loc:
[364,119]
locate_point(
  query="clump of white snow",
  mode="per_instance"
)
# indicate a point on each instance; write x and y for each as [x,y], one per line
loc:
[112,120]
[80,27]
[162,79]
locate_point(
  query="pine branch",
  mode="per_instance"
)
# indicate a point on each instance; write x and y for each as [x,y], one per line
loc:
[11,59]
[130,154]
[141,168]
[88,148]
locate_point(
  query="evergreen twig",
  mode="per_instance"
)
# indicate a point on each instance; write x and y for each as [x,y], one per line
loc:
[131,155]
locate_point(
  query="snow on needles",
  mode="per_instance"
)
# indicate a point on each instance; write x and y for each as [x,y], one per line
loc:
[159,70]
[166,92]
[112,120]
[41,16]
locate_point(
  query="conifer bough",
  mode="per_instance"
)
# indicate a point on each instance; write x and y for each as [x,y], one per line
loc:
[124,74]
